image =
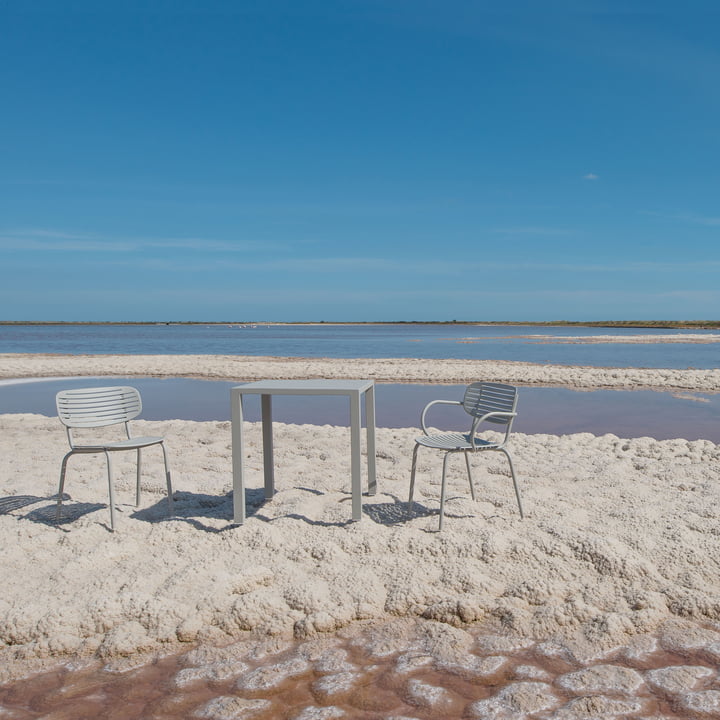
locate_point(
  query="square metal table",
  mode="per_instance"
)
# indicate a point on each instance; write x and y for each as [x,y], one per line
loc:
[353,389]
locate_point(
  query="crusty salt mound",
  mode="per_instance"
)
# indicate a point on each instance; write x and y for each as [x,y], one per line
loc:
[620,535]
[426,371]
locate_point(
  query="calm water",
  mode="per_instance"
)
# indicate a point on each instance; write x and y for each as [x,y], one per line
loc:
[556,411]
[413,340]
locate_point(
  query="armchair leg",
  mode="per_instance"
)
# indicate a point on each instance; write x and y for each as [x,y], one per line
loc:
[111,491]
[168,480]
[470,479]
[442,491]
[61,487]
[412,473]
[514,479]
[137,487]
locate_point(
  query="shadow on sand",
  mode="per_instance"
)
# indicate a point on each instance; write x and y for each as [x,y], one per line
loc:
[192,508]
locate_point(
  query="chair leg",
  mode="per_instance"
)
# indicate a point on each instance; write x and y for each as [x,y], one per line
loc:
[442,490]
[61,487]
[412,473]
[168,480]
[111,491]
[514,479]
[470,479]
[137,487]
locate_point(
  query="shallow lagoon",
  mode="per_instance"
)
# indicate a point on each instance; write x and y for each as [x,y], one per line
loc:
[536,344]
[558,411]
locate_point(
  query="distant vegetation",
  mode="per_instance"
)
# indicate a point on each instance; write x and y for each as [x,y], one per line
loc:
[677,324]
[669,324]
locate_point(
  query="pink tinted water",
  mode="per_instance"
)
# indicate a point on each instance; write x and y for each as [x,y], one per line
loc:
[380,687]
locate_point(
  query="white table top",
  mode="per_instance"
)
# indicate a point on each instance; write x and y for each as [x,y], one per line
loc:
[304,387]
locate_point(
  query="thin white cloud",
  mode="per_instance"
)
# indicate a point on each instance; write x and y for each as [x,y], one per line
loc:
[645,266]
[692,218]
[257,297]
[344,266]
[531,230]
[39,233]
[709,221]
[59,244]
[218,256]
[306,266]
[590,176]
[61,241]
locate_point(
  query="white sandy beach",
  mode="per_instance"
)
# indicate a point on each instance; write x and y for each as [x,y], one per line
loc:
[621,535]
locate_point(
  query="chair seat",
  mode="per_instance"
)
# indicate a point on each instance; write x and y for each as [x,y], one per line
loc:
[129,444]
[454,441]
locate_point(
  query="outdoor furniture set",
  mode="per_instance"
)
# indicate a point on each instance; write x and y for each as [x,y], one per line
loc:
[490,402]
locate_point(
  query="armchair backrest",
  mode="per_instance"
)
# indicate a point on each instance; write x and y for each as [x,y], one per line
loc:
[97,407]
[482,398]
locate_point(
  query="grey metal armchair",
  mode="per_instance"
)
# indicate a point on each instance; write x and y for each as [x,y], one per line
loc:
[484,401]
[103,407]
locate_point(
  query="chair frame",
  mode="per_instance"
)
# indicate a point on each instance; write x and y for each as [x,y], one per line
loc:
[104,407]
[484,401]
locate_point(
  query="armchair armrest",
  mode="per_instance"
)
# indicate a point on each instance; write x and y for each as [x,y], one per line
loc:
[429,405]
[496,414]
[478,420]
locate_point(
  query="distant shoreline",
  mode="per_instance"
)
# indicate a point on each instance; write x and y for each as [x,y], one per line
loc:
[646,324]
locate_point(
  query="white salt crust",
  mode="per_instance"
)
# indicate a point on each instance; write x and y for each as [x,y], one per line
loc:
[621,535]
[246,368]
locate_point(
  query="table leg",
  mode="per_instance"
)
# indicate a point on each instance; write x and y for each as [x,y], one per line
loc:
[370,422]
[238,452]
[268,460]
[355,455]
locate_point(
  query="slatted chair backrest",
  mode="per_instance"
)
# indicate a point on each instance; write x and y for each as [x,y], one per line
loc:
[486,397]
[97,407]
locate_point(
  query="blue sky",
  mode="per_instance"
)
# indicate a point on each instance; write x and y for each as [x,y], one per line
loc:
[359,160]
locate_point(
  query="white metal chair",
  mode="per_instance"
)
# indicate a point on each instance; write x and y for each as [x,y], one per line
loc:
[103,407]
[484,401]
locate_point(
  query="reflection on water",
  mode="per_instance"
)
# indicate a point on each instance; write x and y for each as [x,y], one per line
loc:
[402,669]
[557,411]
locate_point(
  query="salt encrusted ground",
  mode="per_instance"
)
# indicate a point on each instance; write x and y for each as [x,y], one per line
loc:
[643,339]
[404,669]
[621,535]
[244,368]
